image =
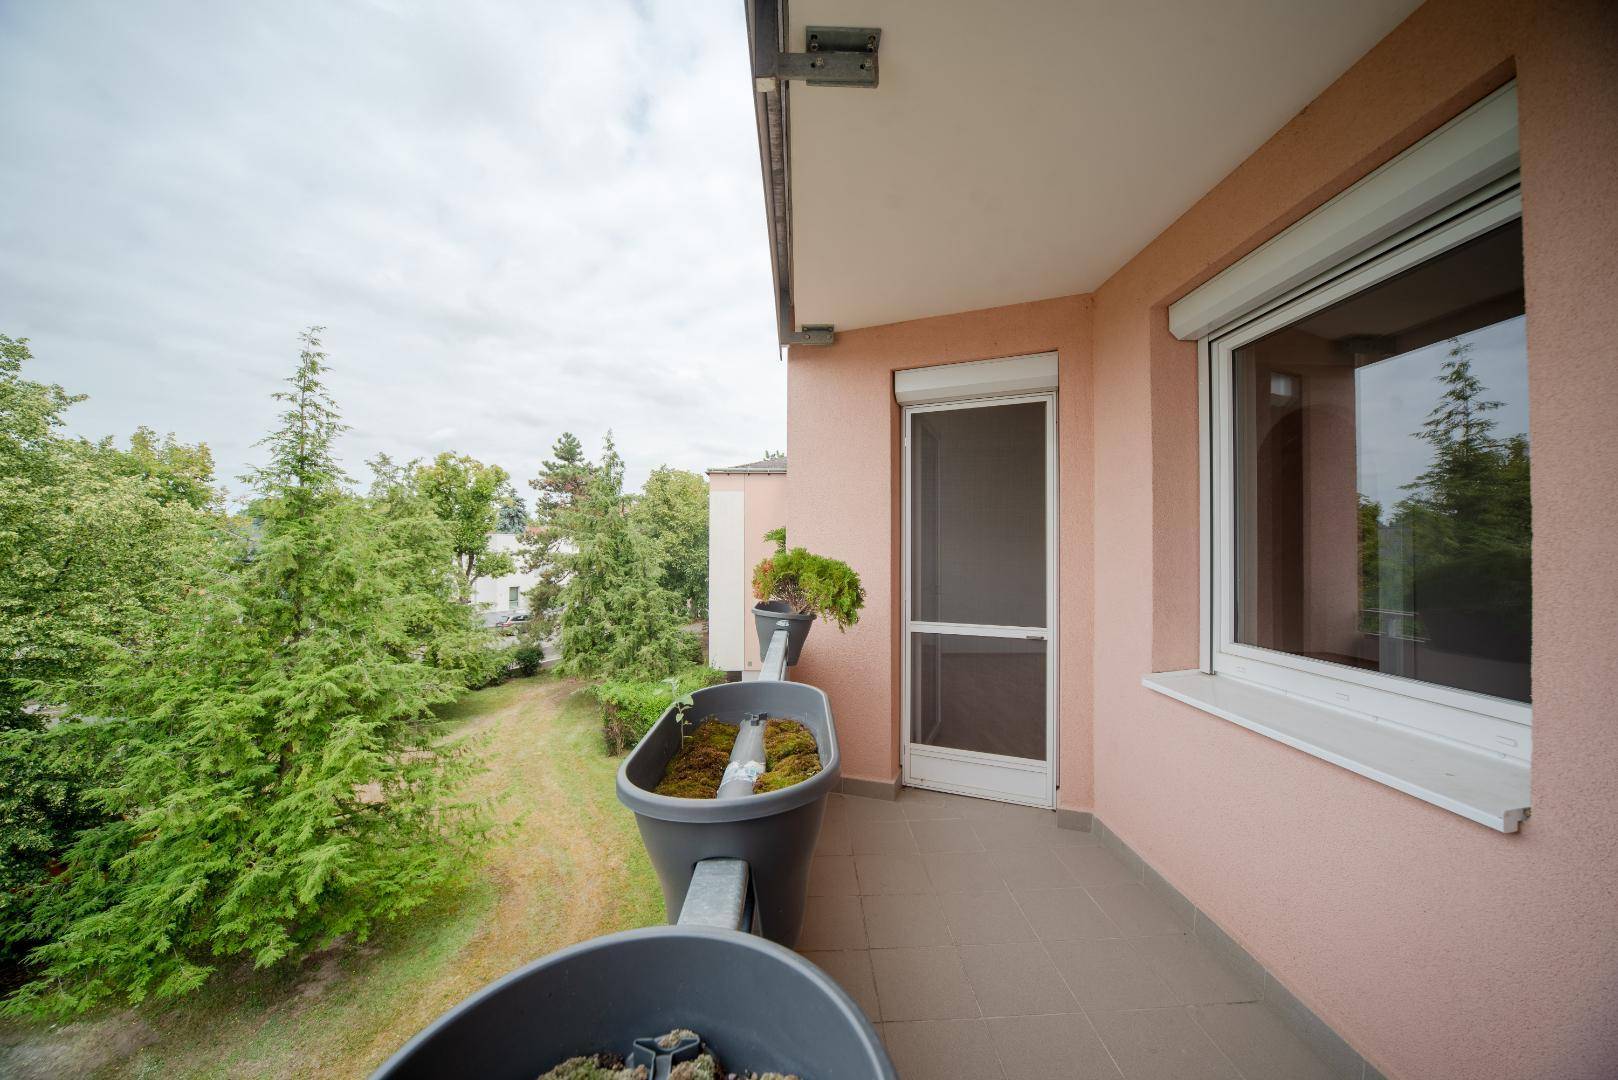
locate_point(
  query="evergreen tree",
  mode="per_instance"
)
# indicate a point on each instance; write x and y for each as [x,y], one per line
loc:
[1470,522]
[560,484]
[282,779]
[94,548]
[617,618]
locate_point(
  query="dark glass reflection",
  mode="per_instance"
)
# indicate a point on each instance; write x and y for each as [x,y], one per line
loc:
[1382,477]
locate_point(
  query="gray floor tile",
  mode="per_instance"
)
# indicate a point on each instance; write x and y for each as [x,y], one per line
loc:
[833,839]
[918,804]
[881,837]
[1109,974]
[1094,864]
[1050,1048]
[1137,911]
[942,1050]
[922,984]
[1001,835]
[984,809]
[832,922]
[851,968]
[949,834]
[1194,971]
[1161,1044]
[1259,1044]
[862,810]
[880,874]
[1064,914]
[1033,869]
[903,921]
[985,918]
[1015,979]
[832,875]
[970,872]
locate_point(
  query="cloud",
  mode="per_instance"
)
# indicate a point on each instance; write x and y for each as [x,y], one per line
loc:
[512,219]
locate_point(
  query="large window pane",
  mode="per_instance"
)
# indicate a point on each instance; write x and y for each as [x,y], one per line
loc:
[1382,477]
[978,693]
[978,515]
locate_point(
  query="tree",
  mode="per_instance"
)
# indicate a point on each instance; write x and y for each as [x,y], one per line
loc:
[511,515]
[468,495]
[95,547]
[561,482]
[673,511]
[282,779]
[1469,520]
[617,618]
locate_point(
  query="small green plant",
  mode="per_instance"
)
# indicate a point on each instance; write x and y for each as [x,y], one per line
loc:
[778,537]
[527,659]
[811,585]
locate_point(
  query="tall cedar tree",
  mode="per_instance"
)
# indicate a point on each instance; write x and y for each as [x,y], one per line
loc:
[561,482]
[282,780]
[95,544]
[618,620]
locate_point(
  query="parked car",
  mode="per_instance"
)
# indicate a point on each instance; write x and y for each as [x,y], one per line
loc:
[512,621]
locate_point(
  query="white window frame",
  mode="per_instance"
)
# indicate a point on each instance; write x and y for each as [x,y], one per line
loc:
[1481,721]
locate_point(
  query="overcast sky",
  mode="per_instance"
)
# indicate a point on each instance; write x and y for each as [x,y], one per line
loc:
[513,218]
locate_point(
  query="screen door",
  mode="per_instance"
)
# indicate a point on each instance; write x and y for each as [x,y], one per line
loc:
[979,604]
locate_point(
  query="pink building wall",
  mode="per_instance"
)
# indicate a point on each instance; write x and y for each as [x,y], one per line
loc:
[1437,947]
[764,507]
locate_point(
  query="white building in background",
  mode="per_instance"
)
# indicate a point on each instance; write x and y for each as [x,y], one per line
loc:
[503,595]
[744,503]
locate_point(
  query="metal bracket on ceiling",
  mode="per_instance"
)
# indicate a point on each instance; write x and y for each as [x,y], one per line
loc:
[833,56]
[810,335]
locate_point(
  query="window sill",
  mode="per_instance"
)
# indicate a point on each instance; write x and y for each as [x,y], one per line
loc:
[1486,788]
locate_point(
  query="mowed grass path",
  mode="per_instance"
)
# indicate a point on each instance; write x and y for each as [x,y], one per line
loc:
[572,867]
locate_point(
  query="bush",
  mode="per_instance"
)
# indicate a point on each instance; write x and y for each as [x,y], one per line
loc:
[811,585]
[629,707]
[527,659]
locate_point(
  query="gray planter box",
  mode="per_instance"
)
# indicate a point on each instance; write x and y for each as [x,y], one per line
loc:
[774,833]
[766,619]
[758,1006]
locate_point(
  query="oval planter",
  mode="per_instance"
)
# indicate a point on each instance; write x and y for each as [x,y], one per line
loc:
[775,832]
[766,620]
[758,1006]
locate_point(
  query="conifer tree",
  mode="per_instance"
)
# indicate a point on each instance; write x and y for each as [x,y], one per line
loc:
[617,618]
[282,780]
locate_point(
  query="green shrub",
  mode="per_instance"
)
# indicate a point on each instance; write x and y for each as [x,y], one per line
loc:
[812,585]
[629,707]
[527,659]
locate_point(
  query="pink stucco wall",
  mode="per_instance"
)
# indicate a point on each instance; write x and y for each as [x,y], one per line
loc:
[1437,947]
[843,433]
[764,507]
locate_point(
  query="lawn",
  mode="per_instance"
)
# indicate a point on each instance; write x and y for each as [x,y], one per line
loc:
[571,867]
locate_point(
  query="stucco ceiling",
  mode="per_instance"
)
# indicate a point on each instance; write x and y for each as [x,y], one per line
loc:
[1026,149]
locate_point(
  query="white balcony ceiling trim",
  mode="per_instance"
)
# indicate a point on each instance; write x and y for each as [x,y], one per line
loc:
[1023,150]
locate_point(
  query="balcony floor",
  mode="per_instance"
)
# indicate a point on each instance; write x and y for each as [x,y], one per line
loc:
[983,941]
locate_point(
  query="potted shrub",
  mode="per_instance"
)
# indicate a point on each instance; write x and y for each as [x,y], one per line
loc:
[794,586]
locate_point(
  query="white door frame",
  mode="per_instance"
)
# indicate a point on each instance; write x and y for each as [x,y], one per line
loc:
[966,767]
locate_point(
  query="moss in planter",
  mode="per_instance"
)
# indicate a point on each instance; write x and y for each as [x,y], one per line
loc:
[612,1067]
[790,756]
[696,769]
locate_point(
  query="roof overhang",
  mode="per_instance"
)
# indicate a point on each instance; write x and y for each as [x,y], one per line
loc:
[1019,150]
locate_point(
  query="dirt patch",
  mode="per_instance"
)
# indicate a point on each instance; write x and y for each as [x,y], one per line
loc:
[79,1049]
